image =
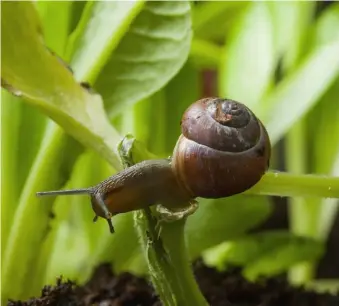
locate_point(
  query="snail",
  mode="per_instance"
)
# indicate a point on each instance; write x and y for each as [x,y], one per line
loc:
[223,150]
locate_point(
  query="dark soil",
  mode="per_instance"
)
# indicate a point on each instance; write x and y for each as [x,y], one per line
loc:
[220,289]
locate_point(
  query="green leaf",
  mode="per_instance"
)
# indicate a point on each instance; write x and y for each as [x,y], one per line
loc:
[178,100]
[326,29]
[109,247]
[151,114]
[22,129]
[267,253]
[32,130]
[81,244]
[211,20]
[75,237]
[205,55]
[290,38]
[314,150]
[75,258]
[325,153]
[299,91]
[218,220]
[56,20]
[248,62]
[10,127]
[77,11]
[326,114]
[148,56]
[98,33]
[324,285]
[29,70]
[31,222]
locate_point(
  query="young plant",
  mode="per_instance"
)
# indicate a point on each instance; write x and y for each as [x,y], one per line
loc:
[138,57]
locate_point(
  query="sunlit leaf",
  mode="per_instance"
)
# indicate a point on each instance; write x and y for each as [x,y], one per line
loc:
[248,62]
[291,21]
[326,30]
[148,56]
[298,92]
[32,72]
[98,33]
[29,70]
[56,17]
[10,128]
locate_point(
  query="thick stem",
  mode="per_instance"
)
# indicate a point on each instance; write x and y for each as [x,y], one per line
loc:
[168,260]
[296,185]
[165,251]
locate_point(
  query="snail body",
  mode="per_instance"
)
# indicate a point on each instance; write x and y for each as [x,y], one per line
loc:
[139,186]
[223,150]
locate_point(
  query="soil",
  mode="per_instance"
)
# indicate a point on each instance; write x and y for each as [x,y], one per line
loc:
[220,289]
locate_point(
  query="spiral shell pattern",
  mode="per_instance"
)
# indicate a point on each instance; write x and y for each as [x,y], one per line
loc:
[223,150]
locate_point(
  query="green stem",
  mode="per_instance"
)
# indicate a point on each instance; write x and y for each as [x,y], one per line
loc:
[174,241]
[165,249]
[168,260]
[301,211]
[285,184]
[10,127]
[30,225]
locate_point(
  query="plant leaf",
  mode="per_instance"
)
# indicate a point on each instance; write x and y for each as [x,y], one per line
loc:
[28,69]
[56,17]
[299,92]
[211,20]
[31,71]
[99,31]
[148,56]
[218,220]
[321,213]
[178,100]
[248,61]
[267,253]
[10,127]
[205,54]
[291,22]
[324,285]
[326,29]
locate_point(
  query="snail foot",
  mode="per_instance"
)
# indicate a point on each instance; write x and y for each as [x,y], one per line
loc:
[167,215]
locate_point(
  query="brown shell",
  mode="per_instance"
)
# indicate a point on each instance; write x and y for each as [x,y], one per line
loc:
[223,150]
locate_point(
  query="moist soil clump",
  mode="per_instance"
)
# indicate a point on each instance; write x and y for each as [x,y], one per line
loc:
[220,289]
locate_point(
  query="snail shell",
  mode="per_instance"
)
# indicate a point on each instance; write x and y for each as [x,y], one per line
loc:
[223,150]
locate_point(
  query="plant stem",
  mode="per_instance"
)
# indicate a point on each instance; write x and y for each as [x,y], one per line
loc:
[285,184]
[168,260]
[10,127]
[301,212]
[30,225]
[164,247]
